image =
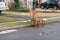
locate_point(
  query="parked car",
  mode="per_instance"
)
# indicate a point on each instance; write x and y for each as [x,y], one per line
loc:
[50,4]
[3,5]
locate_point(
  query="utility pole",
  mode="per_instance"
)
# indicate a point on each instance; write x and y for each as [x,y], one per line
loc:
[35,21]
[34,13]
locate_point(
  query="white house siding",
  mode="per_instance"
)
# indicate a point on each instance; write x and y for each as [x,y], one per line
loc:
[9,1]
[43,1]
[23,3]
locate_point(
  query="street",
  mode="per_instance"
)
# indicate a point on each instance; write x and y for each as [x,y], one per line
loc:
[51,32]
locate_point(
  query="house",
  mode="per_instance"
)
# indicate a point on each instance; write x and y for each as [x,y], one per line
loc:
[24,3]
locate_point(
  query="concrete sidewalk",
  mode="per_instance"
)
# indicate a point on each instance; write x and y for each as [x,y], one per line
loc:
[52,20]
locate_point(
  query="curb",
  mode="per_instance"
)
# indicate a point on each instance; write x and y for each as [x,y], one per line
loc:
[50,22]
[24,26]
[16,27]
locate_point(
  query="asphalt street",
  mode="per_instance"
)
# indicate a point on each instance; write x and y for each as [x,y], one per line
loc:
[48,32]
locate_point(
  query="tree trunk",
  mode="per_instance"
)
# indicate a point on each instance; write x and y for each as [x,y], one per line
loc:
[39,3]
[0,12]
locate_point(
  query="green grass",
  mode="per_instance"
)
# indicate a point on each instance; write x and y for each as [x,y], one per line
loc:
[18,23]
[14,24]
[8,19]
[19,10]
[11,22]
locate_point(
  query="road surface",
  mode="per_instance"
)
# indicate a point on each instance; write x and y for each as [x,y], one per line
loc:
[48,32]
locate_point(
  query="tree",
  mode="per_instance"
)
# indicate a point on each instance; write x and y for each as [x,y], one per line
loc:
[11,5]
[0,12]
[16,4]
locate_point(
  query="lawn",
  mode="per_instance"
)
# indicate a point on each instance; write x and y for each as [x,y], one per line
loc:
[39,14]
[10,22]
[8,19]
[14,24]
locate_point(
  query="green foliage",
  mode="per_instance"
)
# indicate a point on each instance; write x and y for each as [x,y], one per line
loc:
[16,6]
[19,10]
[16,1]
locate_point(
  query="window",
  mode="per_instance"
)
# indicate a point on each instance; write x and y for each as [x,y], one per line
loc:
[52,1]
[48,1]
[2,0]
